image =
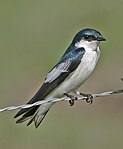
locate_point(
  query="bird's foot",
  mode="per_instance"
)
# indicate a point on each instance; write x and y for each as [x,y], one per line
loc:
[72,97]
[88,97]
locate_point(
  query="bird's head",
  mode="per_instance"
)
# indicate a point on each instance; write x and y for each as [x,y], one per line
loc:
[88,38]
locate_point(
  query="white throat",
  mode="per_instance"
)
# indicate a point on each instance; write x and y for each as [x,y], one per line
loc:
[88,45]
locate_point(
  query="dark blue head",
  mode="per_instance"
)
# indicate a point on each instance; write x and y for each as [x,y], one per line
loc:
[88,35]
[89,39]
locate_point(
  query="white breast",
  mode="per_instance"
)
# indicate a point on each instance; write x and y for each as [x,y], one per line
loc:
[83,71]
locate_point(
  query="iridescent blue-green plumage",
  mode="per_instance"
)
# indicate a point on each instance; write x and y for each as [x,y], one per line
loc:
[87,33]
[74,56]
[60,73]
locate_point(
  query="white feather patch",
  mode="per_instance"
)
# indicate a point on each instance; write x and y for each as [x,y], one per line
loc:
[55,73]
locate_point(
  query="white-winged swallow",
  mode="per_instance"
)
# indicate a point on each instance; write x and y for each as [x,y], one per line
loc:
[74,67]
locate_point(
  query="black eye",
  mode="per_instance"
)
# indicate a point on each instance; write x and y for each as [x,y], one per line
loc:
[86,37]
[89,37]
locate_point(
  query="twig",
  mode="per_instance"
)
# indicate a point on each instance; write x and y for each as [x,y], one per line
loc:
[79,97]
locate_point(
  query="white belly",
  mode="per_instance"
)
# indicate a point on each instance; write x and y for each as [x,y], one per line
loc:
[72,83]
[83,71]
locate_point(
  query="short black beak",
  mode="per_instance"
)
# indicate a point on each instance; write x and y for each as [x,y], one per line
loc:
[101,39]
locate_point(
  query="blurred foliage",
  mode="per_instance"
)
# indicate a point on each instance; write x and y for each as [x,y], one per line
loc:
[33,36]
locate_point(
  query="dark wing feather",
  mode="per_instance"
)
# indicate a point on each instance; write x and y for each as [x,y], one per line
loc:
[56,76]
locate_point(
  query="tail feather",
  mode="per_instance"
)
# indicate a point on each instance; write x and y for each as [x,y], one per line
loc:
[22,111]
[35,114]
[23,119]
[31,111]
[28,114]
[37,119]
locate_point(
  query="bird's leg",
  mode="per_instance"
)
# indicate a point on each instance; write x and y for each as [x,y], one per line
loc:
[87,97]
[72,97]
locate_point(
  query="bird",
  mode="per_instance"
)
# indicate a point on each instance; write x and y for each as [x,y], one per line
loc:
[71,71]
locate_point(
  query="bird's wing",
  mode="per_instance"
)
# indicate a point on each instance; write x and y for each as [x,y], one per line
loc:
[57,75]
[57,71]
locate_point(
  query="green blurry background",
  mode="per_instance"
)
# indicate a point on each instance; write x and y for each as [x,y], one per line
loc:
[33,36]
